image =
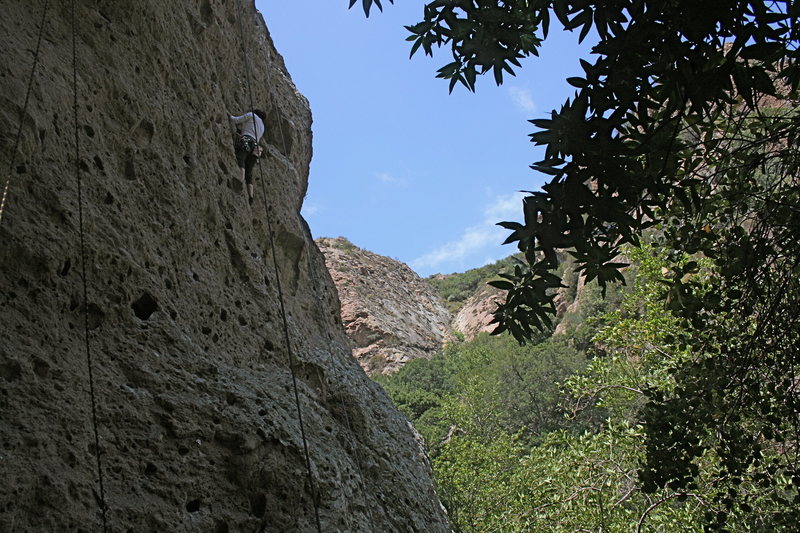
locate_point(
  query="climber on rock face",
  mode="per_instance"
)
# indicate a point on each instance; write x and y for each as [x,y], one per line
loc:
[249,129]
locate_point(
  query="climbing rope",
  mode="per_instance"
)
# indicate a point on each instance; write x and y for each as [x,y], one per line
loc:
[102,496]
[24,110]
[287,339]
[339,397]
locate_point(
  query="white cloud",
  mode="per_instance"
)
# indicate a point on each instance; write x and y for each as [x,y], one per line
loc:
[481,239]
[310,209]
[386,177]
[522,98]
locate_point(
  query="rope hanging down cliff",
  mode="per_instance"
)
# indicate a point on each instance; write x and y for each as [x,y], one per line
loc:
[24,111]
[339,397]
[101,498]
[287,340]
[353,443]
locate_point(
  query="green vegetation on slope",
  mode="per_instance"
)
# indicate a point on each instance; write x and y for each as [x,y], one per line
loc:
[549,438]
[455,289]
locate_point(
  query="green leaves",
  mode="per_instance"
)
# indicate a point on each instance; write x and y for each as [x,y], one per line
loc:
[367,5]
[484,36]
[684,129]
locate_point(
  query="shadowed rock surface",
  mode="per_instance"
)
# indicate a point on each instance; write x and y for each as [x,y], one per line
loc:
[197,423]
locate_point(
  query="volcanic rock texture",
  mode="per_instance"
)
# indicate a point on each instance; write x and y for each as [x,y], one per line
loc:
[390,314]
[196,415]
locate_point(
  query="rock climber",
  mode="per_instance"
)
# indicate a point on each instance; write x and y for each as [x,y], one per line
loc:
[249,129]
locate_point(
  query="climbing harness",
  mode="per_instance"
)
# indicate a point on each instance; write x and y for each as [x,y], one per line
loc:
[287,339]
[24,111]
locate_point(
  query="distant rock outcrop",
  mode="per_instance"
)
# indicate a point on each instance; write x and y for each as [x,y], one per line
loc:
[390,314]
[477,313]
[197,423]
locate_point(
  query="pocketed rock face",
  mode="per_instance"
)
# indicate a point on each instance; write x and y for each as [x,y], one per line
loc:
[390,314]
[196,414]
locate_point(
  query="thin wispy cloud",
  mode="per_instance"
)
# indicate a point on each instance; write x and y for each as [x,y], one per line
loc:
[386,177]
[522,98]
[310,209]
[483,239]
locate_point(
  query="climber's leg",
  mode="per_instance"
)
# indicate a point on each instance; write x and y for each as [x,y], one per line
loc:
[248,175]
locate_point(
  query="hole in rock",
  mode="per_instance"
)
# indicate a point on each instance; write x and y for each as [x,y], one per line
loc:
[143,132]
[193,506]
[89,130]
[109,199]
[130,170]
[258,505]
[145,306]
[235,185]
[150,469]
[94,316]
[11,370]
[22,169]
[41,367]
[64,270]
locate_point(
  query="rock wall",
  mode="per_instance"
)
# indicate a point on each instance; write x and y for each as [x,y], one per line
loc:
[477,313]
[390,314]
[197,423]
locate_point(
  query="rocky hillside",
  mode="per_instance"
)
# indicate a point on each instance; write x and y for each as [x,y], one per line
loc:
[390,314]
[476,314]
[192,328]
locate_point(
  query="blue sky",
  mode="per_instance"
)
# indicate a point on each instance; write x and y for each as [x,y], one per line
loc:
[401,167]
